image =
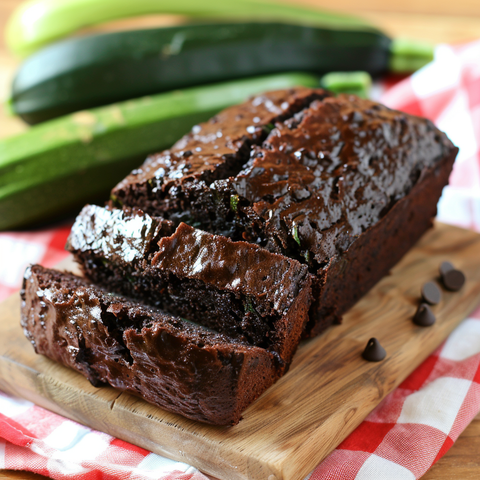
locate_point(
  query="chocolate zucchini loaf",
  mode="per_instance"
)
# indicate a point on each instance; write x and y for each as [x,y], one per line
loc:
[179,366]
[236,288]
[304,202]
[346,186]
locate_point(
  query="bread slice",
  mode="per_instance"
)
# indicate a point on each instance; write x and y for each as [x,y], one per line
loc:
[236,288]
[171,363]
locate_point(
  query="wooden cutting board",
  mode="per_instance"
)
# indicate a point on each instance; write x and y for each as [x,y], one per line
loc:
[328,391]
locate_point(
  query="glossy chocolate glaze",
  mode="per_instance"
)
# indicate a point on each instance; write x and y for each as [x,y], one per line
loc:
[325,176]
[234,266]
[123,236]
[214,149]
[171,363]
[239,289]
[371,256]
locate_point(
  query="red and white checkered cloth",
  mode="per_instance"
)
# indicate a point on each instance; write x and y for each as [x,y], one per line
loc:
[413,426]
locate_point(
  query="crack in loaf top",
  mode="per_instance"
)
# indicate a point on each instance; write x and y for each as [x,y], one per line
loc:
[227,135]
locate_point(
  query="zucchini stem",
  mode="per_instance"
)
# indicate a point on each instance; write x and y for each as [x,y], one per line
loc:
[357,83]
[409,55]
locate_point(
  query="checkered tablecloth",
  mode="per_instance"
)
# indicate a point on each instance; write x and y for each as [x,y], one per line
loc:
[413,426]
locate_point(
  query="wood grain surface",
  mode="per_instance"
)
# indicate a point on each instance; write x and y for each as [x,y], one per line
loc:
[433,20]
[327,392]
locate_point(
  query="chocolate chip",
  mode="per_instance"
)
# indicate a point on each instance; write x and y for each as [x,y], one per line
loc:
[374,352]
[424,316]
[453,280]
[431,293]
[445,267]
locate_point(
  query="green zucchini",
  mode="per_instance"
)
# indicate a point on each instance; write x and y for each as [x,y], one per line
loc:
[60,165]
[97,70]
[36,23]
[356,83]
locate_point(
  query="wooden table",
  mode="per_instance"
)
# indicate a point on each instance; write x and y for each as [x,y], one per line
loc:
[433,20]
